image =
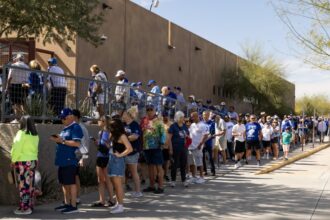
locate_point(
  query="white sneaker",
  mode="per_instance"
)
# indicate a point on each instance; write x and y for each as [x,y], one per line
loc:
[239,164]
[117,209]
[200,180]
[192,180]
[172,184]
[136,194]
[185,183]
[23,212]
[236,166]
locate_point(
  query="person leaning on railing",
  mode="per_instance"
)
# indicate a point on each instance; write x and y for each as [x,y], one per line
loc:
[17,85]
[24,156]
[57,86]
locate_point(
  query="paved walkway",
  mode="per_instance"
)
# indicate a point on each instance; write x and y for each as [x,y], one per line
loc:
[298,191]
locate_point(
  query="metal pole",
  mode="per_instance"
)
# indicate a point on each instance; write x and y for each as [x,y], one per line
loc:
[152,3]
[3,101]
[44,97]
[77,93]
[313,129]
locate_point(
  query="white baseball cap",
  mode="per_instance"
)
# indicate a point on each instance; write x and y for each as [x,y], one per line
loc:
[120,73]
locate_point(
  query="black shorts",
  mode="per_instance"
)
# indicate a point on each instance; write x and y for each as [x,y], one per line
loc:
[154,156]
[166,154]
[67,175]
[18,94]
[102,162]
[274,140]
[253,145]
[266,143]
[239,147]
[78,171]
[142,158]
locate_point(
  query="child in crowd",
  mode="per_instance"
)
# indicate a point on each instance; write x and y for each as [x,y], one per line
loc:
[286,140]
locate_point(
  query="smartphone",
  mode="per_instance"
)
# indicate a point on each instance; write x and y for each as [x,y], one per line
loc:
[54,135]
[92,138]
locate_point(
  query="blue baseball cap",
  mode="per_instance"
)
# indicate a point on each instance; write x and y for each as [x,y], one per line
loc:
[133,84]
[52,61]
[151,82]
[139,83]
[150,106]
[65,112]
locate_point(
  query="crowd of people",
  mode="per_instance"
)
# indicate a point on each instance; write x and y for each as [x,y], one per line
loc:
[172,134]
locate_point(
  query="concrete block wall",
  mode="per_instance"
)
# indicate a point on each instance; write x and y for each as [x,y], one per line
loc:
[8,193]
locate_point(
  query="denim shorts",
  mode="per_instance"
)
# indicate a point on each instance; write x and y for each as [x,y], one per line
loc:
[116,166]
[132,159]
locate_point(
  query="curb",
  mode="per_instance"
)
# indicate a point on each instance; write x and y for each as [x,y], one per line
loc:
[291,160]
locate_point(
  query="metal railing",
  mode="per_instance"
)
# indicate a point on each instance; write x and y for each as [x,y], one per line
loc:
[43,95]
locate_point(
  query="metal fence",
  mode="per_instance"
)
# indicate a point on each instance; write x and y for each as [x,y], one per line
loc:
[43,95]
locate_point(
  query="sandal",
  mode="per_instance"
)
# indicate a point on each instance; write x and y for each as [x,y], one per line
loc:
[111,204]
[98,204]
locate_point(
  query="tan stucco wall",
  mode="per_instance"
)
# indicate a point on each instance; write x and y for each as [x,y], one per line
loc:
[65,53]
[8,193]
[138,43]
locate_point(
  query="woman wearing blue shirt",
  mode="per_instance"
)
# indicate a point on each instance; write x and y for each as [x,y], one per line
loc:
[102,159]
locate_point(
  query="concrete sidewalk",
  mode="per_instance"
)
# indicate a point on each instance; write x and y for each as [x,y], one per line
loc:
[298,191]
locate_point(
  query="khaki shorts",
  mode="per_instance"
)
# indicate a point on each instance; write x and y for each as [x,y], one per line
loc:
[286,147]
[195,157]
[221,145]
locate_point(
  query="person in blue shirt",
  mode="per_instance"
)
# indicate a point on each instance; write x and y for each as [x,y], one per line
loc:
[134,135]
[253,137]
[68,142]
[208,146]
[178,135]
[154,99]
[134,99]
[35,80]
[223,111]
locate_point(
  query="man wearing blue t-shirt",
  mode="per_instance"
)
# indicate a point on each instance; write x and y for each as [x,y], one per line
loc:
[253,137]
[68,142]
[208,146]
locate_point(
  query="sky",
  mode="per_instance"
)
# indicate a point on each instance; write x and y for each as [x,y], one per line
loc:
[232,23]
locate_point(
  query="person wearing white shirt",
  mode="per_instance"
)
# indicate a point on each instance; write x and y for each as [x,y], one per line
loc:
[229,137]
[321,129]
[122,89]
[17,85]
[199,132]
[239,137]
[57,85]
[220,140]
[267,131]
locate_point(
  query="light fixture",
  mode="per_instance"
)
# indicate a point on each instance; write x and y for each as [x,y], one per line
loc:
[197,48]
[154,4]
[103,37]
[106,6]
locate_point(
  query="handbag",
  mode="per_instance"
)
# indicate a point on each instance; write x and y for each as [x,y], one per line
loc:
[187,142]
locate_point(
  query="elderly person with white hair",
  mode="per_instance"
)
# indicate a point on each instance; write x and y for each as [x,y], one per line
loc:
[178,134]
